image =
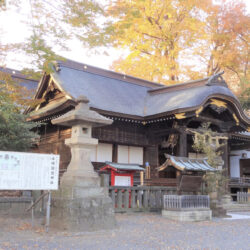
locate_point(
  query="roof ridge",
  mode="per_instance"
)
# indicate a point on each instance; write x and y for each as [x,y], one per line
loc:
[16,74]
[107,73]
[207,81]
[180,86]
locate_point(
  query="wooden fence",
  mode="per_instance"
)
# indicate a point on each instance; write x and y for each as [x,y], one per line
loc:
[185,202]
[141,198]
[243,197]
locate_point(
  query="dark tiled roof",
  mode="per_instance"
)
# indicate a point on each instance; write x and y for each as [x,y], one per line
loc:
[103,92]
[183,98]
[117,93]
[30,84]
[123,166]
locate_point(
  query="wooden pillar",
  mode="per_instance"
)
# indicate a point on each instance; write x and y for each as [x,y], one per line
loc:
[115,153]
[151,156]
[148,171]
[225,157]
[182,145]
[226,166]
[228,157]
[141,178]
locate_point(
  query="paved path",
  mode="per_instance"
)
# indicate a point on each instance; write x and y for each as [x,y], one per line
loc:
[135,231]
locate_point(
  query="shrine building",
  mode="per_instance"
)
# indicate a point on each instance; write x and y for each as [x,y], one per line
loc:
[150,120]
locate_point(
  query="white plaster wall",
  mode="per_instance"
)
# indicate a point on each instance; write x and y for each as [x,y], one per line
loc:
[101,152]
[136,155]
[122,154]
[104,152]
[235,157]
[130,154]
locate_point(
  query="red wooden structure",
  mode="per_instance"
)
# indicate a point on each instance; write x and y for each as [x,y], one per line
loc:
[121,174]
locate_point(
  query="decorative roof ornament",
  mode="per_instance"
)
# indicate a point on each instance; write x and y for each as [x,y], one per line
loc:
[218,105]
[172,138]
[180,116]
[56,66]
[217,79]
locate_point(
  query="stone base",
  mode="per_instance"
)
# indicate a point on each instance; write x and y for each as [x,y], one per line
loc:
[14,206]
[217,209]
[14,209]
[226,199]
[82,214]
[188,215]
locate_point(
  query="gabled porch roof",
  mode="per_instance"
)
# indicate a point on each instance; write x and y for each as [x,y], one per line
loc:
[186,164]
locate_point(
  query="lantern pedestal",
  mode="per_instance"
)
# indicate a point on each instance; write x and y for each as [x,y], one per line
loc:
[81,204]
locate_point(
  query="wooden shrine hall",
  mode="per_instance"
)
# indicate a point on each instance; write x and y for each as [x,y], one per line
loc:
[149,119]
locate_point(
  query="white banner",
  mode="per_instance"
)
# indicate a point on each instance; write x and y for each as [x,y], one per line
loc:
[28,171]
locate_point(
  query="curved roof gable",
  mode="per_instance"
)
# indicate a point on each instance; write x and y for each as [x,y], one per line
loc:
[126,95]
[184,98]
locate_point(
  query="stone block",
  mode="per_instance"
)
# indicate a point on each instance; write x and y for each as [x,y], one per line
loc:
[17,208]
[82,214]
[104,180]
[70,192]
[4,206]
[217,209]
[188,215]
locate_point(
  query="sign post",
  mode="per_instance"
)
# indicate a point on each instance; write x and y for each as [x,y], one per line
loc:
[30,171]
[48,212]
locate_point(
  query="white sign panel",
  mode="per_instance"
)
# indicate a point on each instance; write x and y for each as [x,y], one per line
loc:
[122,181]
[28,171]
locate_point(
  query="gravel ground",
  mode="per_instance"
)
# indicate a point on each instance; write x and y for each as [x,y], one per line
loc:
[134,231]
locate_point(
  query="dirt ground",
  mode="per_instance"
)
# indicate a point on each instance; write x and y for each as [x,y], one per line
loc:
[134,231]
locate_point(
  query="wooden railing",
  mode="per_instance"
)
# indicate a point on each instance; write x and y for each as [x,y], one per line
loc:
[170,182]
[141,198]
[242,181]
[243,197]
[185,202]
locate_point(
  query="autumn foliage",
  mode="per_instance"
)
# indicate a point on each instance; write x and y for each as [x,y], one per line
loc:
[166,41]
[170,41]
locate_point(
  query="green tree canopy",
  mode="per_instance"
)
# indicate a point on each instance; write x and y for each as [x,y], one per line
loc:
[52,24]
[15,132]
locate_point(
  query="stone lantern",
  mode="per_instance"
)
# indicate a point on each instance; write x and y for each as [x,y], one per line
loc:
[81,204]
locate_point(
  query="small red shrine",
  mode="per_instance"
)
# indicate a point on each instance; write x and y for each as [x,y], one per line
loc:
[121,174]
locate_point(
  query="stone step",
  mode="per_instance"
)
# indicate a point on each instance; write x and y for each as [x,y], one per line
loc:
[237,207]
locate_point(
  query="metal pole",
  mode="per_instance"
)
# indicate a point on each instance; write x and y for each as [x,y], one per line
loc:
[48,212]
[32,214]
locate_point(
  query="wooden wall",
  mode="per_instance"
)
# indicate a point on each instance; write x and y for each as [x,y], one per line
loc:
[52,141]
[122,133]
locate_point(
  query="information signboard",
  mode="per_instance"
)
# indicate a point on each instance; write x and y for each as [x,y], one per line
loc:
[123,181]
[28,171]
